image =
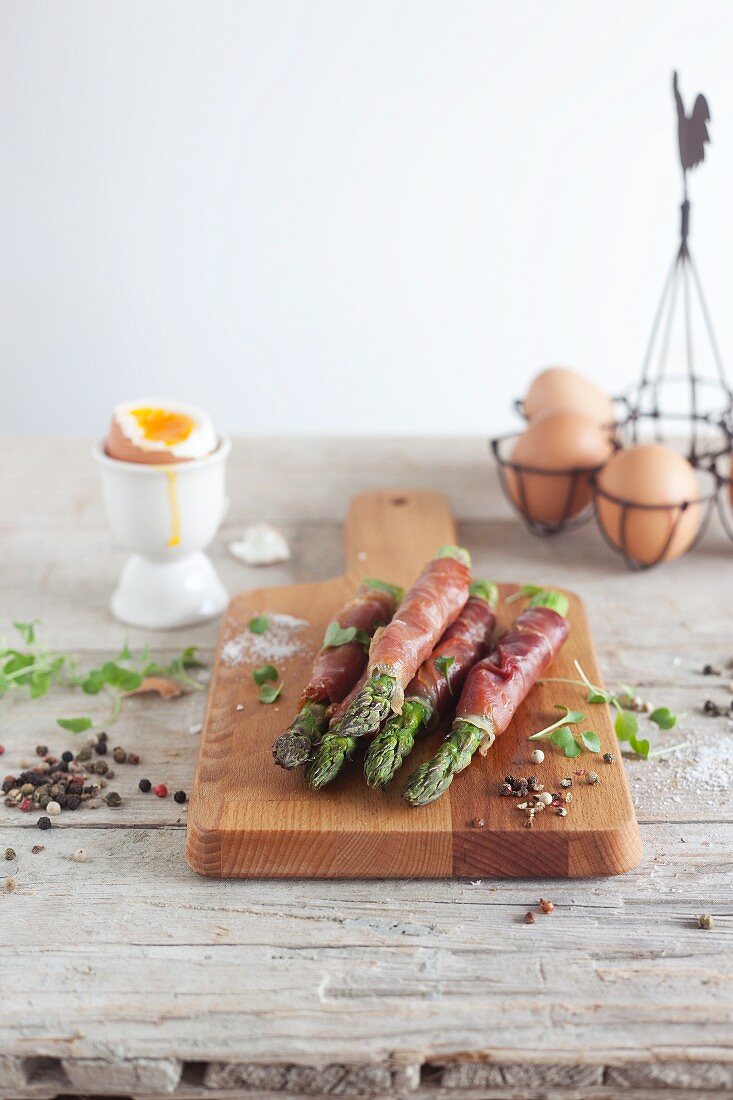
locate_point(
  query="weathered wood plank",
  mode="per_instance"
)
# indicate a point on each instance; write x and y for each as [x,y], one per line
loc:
[130,956]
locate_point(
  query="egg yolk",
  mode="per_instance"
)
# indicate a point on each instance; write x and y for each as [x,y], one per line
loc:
[162,426]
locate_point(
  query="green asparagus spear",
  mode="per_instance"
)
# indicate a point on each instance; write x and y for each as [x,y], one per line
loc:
[332,752]
[293,748]
[390,747]
[370,707]
[367,712]
[435,776]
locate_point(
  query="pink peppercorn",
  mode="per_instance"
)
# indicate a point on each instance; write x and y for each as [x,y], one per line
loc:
[161,790]
[2,749]
[25,805]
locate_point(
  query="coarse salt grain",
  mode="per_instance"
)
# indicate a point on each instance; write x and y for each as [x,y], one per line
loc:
[277,643]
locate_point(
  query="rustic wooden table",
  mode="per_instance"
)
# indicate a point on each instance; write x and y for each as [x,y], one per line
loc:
[128,975]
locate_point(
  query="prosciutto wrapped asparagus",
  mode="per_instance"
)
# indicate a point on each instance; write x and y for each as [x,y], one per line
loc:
[430,606]
[337,667]
[493,690]
[436,684]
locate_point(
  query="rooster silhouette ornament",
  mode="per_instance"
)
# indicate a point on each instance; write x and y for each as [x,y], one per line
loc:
[692,130]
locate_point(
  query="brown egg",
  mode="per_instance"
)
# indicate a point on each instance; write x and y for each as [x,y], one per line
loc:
[559,440]
[649,473]
[560,388]
[159,432]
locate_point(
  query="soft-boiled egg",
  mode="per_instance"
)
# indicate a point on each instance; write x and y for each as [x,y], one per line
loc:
[662,513]
[155,431]
[556,455]
[560,388]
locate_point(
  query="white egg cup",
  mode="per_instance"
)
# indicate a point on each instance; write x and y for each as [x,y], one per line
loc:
[166,515]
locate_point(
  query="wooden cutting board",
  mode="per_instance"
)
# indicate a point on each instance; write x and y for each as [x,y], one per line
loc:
[249,818]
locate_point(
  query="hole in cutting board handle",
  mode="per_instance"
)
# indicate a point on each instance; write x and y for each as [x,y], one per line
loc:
[398,502]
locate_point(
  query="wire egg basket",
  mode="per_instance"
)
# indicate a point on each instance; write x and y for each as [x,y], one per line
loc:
[687,410]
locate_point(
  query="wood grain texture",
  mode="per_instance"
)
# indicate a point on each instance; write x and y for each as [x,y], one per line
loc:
[249,818]
[130,957]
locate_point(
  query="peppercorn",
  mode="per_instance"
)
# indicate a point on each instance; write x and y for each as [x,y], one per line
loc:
[119,754]
[73,802]
[37,848]
[712,670]
[10,884]
[561,811]
[705,921]
[592,778]
[609,758]
[145,785]
[101,767]
[529,918]
[505,789]
[566,782]
[67,756]
[113,799]
[161,790]
[8,783]
[180,796]
[41,750]
[101,747]
[546,906]
[79,856]
[44,823]
[103,736]
[476,822]
[53,809]
[84,753]
[537,756]
[133,758]
[10,853]
[25,805]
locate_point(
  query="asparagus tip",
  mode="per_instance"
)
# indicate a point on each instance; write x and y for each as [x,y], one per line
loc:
[556,601]
[458,552]
[485,590]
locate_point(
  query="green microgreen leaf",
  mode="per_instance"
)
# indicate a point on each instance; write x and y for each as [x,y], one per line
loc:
[564,739]
[572,716]
[259,624]
[443,664]
[337,635]
[626,725]
[264,673]
[75,725]
[639,745]
[270,692]
[664,718]
[383,586]
[27,631]
[591,741]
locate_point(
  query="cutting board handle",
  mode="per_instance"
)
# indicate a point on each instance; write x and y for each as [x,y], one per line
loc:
[417,521]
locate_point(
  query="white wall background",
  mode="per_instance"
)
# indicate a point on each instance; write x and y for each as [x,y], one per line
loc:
[344,216]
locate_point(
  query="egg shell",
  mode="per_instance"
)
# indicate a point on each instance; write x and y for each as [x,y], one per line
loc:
[118,446]
[650,474]
[128,441]
[559,440]
[560,388]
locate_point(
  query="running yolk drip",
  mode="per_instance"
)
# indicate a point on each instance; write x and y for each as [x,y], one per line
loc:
[175,535]
[162,426]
